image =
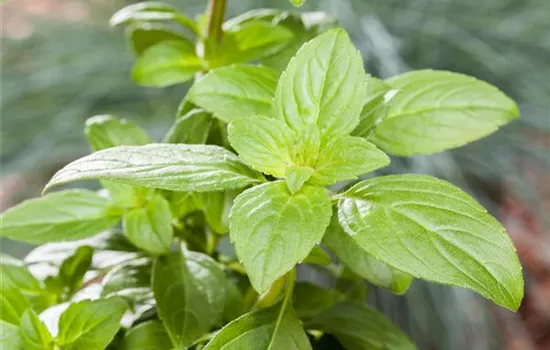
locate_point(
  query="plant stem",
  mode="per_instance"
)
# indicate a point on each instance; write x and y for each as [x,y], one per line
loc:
[216,14]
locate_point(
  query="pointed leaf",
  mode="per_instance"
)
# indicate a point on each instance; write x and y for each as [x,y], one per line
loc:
[149,335]
[323,85]
[262,330]
[263,143]
[90,324]
[436,110]
[73,269]
[60,216]
[170,167]
[150,228]
[345,158]
[359,327]
[188,295]
[378,96]
[273,229]
[296,177]
[430,229]
[236,91]
[362,263]
[144,35]
[106,131]
[13,304]
[33,333]
[166,63]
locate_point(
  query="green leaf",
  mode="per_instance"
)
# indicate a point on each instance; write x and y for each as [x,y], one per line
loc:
[129,277]
[150,228]
[182,203]
[106,131]
[430,229]
[150,11]
[359,327]
[263,143]
[317,256]
[191,128]
[60,216]
[362,263]
[245,42]
[9,336]
[275,327]
[33,333]
[344,158]
[14,275]
[273,229]
[296,177]
[297,3]
[309,299]
[90,324]
[13,304]
[73,269]
[166,63]
[323,85]
[216,207]
[190,168]
[436,110]
[188,294]
[235,91]
[144,35]
[234,303]
[149,335]
[378,96]
[305,26]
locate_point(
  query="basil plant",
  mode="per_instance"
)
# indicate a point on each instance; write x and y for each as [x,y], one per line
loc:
[195,240]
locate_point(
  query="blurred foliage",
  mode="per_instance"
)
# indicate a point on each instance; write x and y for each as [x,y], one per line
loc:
[67,71]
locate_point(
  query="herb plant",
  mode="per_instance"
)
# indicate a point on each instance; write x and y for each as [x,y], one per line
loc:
[258,153]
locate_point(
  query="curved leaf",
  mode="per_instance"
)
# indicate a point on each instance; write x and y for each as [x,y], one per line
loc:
[61,216]
[191,168]
[273,229]
[430,229]
[235,91]
[33,332]
[323,85]
[149,335]
[437,110]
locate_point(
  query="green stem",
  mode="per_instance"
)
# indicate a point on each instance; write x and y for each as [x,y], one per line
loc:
[216,14]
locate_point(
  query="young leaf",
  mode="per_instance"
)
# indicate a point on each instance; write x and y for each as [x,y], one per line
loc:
[166,63]
[378,96]
[150,11]
[13,304]
[297,3]
[149,335]
[191,128]
[323,85]
[106,131]
[317,256]
[344,158]
[188,295]
[74,268]
[273,229]
[9,336]
[430,229]
[296,177]
[150,228]
[144,35]
[61,216]
[33,333]
[359,327]
[245,42]
[190,168]
[263,143]
[15,276]
[275,327]
[436,110]
[362,263]
[310,300]
[236,91]
[90,324]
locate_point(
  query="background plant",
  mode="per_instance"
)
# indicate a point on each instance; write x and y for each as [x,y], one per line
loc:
[218,117]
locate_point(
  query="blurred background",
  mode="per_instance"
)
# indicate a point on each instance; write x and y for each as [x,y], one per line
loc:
[61,63]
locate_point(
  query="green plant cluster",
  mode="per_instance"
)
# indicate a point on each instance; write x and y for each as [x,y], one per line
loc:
[253,154]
